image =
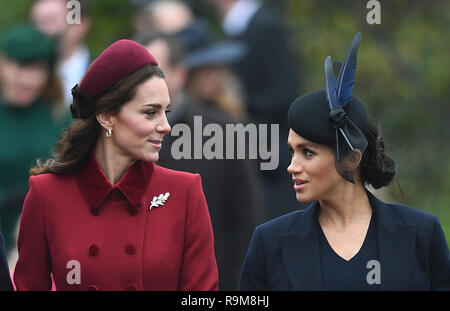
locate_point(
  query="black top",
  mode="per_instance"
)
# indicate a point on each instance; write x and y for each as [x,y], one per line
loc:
[355,274]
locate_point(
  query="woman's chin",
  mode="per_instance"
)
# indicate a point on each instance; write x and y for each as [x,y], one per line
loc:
[303,198]
[149,157]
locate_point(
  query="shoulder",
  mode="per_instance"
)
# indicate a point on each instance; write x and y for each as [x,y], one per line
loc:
[175,178]
[281,223]
[395,216]
[410,216]
[167,173]
[281,226]
[50,180]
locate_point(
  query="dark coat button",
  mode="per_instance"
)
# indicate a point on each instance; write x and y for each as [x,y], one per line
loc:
[132,287]
[94,211]
[130,249]
[133,210]
[93,250]
[92,288]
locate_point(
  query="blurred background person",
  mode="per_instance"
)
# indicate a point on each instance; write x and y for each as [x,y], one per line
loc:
[210,80]
[31,116]
[169,16]
[51,18]
[232,187]
[270,80]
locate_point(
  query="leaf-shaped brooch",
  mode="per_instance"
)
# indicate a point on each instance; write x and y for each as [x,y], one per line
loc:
[159,200]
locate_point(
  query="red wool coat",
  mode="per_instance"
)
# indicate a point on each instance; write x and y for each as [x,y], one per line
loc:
[118,241]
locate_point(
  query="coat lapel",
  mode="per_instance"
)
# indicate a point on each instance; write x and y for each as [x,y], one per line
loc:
[300,251]
[396,246]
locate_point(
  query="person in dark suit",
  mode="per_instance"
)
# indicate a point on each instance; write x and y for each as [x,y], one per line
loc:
[232,186]
[5,279]
[101,215]
[270,86]
[347,239]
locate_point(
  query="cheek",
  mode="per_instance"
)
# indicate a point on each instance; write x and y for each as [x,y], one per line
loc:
[137,127]
[323,173]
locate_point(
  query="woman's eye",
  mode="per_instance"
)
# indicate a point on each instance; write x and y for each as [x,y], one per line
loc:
[308,153]
[168,110]
[150,113]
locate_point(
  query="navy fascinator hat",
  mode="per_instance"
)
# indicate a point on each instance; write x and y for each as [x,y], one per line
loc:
[334,116]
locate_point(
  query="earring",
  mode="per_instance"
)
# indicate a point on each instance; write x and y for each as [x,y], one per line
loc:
[108,133]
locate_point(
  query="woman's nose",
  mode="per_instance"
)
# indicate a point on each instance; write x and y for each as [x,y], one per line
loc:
[295,166]
[164,126]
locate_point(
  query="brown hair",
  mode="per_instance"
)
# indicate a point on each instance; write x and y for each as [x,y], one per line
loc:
[77,141]
[377,169]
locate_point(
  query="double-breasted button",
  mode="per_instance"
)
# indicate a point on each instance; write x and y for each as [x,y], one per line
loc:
[94,211]
[93,250]
[133,210]
[92,288]
[130,249]
[132,287]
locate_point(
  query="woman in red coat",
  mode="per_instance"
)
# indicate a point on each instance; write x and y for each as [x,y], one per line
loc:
[101,215]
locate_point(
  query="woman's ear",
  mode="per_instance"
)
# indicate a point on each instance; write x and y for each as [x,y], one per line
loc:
[352,160]
[106,120]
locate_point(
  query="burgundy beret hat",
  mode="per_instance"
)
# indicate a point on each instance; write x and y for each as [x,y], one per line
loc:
[119,60]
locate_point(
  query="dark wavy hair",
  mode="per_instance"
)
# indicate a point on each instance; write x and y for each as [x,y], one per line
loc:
[376,168]
[77,141]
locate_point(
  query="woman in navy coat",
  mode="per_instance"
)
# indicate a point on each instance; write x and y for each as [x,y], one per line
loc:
[101,215]
[347,239]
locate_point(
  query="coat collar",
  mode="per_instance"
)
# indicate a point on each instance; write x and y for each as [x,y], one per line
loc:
[300,248]
[96,187]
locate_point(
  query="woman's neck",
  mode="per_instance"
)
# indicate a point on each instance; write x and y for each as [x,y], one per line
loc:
[349,206]
[113,164]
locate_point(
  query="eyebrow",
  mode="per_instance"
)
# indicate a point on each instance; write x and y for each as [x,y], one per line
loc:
[157,105]
[303,145]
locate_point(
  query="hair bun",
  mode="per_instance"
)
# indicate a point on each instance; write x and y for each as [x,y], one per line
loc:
[377,169]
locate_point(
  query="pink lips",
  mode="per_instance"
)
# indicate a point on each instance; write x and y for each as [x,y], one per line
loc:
[156,143]
[299,184]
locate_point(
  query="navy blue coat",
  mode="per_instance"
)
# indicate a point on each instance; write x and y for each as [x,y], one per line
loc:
[413,253]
